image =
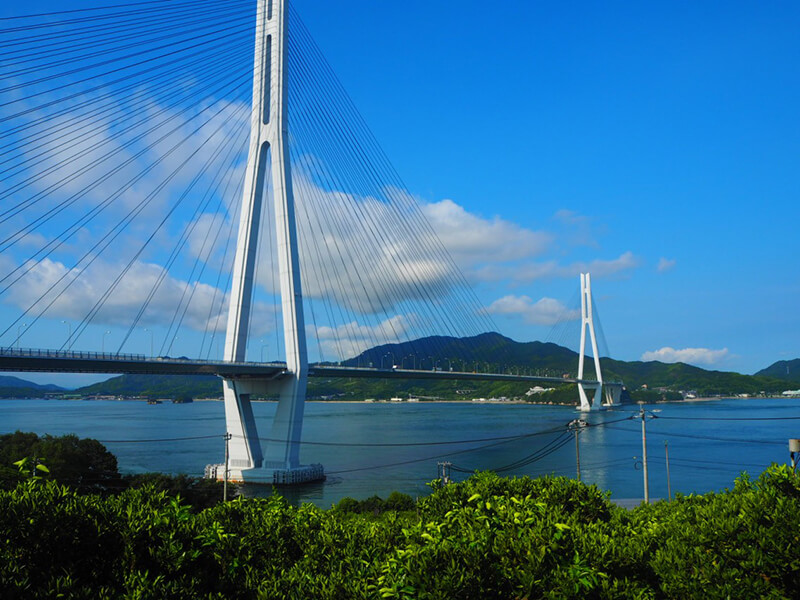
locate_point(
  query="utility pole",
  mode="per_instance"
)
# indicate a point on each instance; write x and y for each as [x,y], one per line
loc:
[794,451]
[643,416]
[666,452]
[227,455]
[444,472]
[576,425]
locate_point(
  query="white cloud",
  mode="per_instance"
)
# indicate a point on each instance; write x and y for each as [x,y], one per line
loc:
[527,273]
[85,162]
[48,279]
[699,356]
[546,311]
[351,339]
[473,240]
[665,264]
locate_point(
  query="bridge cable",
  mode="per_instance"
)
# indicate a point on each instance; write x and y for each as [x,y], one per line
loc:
[373,224]
[91,215]
[112,235]
[355,119]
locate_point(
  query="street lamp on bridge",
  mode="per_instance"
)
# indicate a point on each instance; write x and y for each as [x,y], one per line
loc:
[19,332]
[103,343]
[150,331]
[69,329]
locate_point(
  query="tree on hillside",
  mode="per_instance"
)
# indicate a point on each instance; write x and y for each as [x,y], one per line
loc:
[84,464]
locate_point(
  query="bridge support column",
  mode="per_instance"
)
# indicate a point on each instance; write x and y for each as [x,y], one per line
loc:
[613,394]
[244,447]
[281,461]
[587,321]
[269,138]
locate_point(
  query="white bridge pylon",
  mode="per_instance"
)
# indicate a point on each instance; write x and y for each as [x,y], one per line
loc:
[612,392]
[268,137]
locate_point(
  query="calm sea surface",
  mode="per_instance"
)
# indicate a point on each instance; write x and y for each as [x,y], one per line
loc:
[378,448]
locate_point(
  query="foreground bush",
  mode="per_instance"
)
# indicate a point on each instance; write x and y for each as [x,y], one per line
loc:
[86,465]
[487,537]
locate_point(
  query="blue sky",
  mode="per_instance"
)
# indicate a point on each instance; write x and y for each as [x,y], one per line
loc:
[669,130]
[655,144]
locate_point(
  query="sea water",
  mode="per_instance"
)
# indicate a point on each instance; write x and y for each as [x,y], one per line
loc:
[377,448]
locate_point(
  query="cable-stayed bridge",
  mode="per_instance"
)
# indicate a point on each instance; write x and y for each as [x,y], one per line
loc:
[194,172]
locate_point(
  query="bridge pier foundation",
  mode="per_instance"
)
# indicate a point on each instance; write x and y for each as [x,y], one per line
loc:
[280,464]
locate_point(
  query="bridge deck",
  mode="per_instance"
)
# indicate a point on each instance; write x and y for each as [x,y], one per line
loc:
[58,361]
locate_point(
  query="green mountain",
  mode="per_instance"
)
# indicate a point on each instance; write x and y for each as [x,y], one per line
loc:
[680,376]
[787,370]
[485,352]
[157,386]
[11,387]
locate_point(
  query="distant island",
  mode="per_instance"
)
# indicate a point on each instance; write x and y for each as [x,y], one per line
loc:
[645,381]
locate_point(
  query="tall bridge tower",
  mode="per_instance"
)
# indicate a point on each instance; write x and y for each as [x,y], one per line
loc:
[269,140]
[587,322]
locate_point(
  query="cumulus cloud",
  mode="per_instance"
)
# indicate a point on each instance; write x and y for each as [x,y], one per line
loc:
[358,251]
[351,339]
[353,251]
[546,311]
[46,287]
[473,240]
[665,264]
[88,164]
[697,356]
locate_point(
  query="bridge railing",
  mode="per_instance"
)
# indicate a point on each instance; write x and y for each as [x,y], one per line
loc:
[73,354]
[12,351]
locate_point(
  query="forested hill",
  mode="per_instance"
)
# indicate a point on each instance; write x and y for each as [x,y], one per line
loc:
[11,386]
[680,376]
[156,386]
[788,370]
[487,351]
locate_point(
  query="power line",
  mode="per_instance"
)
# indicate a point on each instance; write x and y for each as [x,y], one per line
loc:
[793,418]
[412,444]
[159,440]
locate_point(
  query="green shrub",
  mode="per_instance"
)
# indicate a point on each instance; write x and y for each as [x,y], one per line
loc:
[198,492]
[487,537]
[84,464]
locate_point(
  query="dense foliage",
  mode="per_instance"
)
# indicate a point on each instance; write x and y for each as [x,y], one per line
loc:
[85,465]
[487,537]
